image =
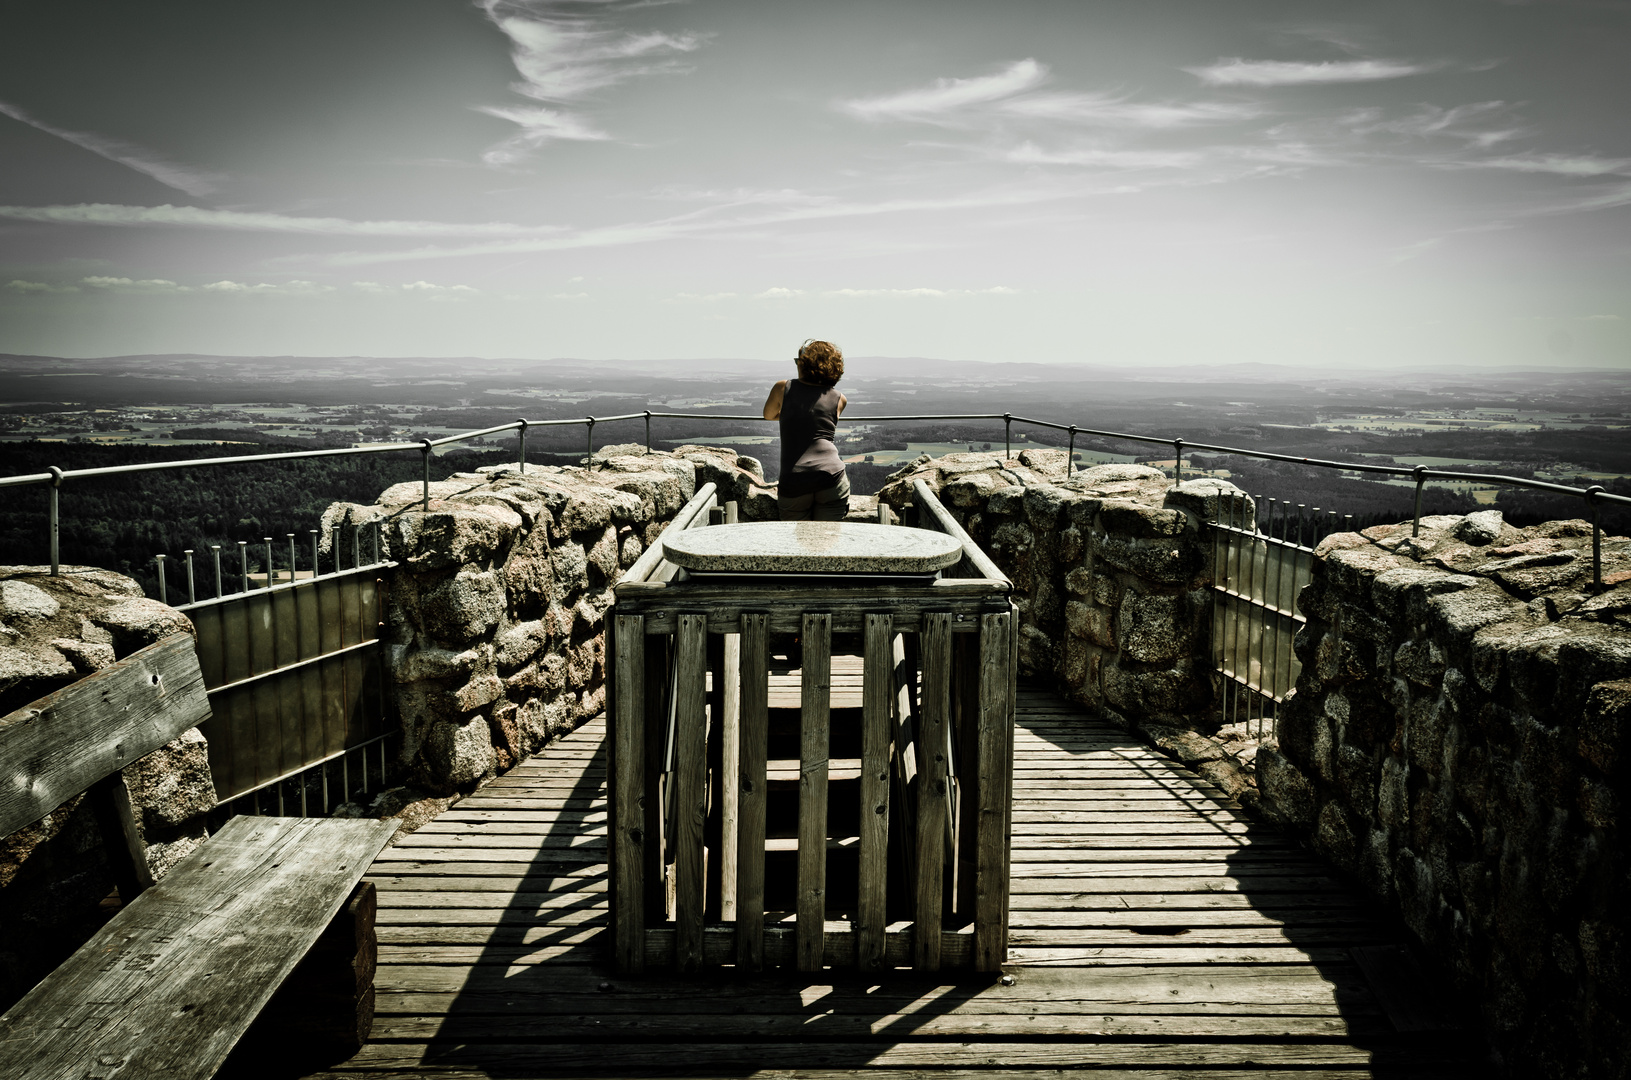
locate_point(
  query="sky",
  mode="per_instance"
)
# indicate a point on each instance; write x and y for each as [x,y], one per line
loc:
[1114,182]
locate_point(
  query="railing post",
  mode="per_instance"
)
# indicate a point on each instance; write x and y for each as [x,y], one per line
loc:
[1421,478]
[1178,462]
[192,591]
[220,589]
[424,449]
[648,431]
[243,566]
[292,574]
[56,487]
[1596,537]
[1070,454]
[164,592]
[316,564]
[1007,436]
[522,464]
[589,445]
[271,575]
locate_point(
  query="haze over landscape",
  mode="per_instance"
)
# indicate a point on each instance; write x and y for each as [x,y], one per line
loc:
[1116,183]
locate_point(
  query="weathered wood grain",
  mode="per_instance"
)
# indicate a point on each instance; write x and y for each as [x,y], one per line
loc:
[932,789]
[54,748]
[169,985]
[629,800]
[690,780]
[815,716]
[876,763]
[754,742]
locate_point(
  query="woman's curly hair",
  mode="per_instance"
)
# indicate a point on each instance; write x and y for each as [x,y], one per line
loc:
[820,362]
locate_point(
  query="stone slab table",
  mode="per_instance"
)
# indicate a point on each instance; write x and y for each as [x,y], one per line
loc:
[813,547]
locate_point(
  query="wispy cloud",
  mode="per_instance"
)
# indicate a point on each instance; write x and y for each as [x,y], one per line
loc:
[1560,164]
[116,214]
[563,55]
[1235,71]
[946,96]
[180,177]
[919,293]
[1028,153]
[264,288]
[38,287]
[1117,110]
[776,292]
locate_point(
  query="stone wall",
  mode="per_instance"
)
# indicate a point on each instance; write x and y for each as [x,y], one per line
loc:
[1460,742]
[53,874]
[495,615]
[1112,568]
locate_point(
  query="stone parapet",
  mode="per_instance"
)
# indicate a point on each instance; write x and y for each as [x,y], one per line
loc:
[1111,567]
[1457,741]
[495,614]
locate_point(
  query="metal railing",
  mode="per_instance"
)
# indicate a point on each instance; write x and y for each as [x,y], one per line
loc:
[1262,556]
[1594,496]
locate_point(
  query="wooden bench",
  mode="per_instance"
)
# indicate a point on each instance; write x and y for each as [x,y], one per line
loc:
[173,982]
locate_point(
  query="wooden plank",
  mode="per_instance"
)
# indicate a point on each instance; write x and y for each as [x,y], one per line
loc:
[754,744]
[933,515]
[876,739]
[690,778]
[724,606]
[929,886]
[996,719]
[731,752]
[815,715]
[628,857]
[658,668]
[242,910]
[1406,992]
[713,838]
[58,746]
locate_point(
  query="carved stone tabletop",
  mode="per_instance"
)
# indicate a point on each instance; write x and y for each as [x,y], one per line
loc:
[824,547]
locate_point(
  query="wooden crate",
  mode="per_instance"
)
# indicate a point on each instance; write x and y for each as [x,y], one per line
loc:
[691,774]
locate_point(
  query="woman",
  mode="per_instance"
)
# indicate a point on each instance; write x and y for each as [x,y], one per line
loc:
[813,486]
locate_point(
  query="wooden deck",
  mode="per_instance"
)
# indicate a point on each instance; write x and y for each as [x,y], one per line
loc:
[1155,931]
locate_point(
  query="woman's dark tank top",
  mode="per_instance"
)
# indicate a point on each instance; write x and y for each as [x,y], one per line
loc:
[809,419]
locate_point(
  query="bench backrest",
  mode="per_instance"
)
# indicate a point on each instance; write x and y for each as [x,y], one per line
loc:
[58,746]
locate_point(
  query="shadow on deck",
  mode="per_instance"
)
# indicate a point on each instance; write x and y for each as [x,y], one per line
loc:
[1155,930]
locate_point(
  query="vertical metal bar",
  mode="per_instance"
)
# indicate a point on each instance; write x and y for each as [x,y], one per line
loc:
[339,564]
[648,431]
[589,445]
[192,586]
[1596,537]
[215,553]
[1421,478]
[424,450]
[271,575]
[316,565]
[164,593]
[1178,462]
[243,566]
[356,547]
[1271,615]
[378,526]
[1007,436]
[1070,456]
[292,560]
[55,514]
[521,440]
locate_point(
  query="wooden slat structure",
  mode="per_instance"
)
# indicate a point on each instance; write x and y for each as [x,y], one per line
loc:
[940,753]
[1154,930]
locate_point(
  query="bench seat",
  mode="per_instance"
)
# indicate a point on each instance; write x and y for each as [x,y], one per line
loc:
[173,981]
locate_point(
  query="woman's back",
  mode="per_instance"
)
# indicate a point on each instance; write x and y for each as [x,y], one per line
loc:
[809,419]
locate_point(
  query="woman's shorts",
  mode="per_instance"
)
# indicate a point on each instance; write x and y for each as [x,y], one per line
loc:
[828,504]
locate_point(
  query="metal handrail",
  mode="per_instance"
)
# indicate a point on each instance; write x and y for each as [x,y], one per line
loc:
[1593,495]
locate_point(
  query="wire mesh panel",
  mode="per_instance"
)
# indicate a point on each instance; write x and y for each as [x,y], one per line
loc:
[1263,553]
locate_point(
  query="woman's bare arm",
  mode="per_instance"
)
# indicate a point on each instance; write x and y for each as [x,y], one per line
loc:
[773,403]
[842,401]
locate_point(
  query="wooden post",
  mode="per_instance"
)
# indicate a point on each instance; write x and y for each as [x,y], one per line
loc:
[730,807]
[656,672]
[713,831]
[996,741]
[877,689]
[750,848]
[630,833]
[814,718]
[931,789]
[127,854]
[690,778]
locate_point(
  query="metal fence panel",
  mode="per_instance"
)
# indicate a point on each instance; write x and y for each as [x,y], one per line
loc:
[295,675]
